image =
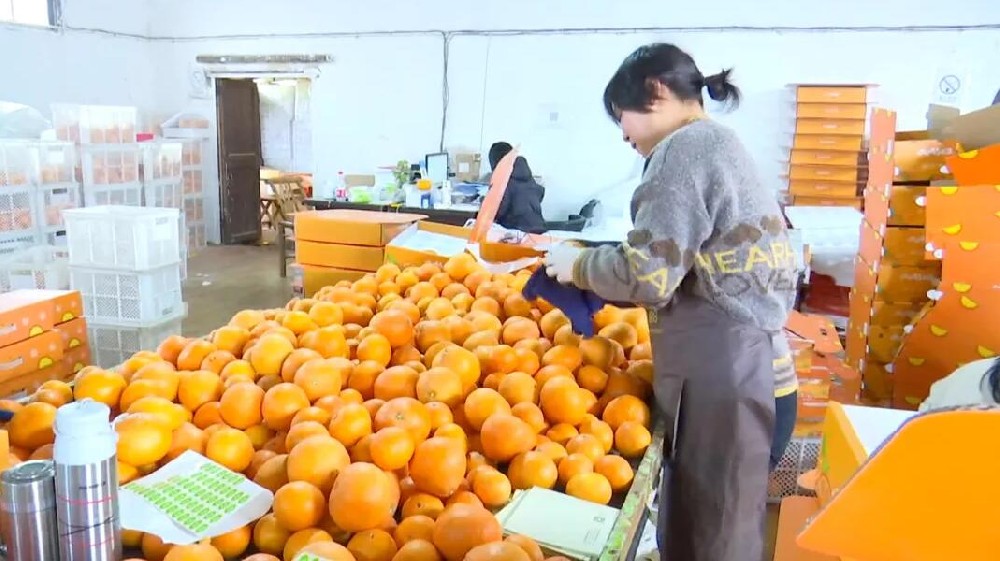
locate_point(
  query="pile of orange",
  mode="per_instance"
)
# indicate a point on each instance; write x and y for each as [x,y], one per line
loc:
[388,416]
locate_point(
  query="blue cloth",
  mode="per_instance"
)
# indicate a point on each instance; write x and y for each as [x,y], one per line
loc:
[578,305]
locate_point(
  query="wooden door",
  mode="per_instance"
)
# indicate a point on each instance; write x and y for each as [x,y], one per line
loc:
[239,160]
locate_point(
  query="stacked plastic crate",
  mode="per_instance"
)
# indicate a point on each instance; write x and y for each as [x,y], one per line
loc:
[163,184]
[193,156]
[109,154]
[126,263]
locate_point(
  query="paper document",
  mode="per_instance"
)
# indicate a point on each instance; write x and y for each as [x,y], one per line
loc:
[583,530]
[422,240]
[191,498]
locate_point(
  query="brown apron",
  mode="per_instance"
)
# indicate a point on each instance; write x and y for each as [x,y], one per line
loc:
[714,382]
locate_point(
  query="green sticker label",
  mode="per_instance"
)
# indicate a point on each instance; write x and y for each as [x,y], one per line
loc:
[197,500]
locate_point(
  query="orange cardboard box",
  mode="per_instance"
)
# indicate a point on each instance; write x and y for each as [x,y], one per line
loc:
[404,256]
[307,280]
[817,329]
[896,283]
[831,93]
[828,142]
[35,353]
[904,209]
[74,333]
[799,172]
[921,158]
[890,314]
[75,359]
[27,313]
[351,227]
[896,245]
[823,189]
[25,384]
[977,167]
[963,216]
[826,201]
[853,111]
[339,256]
[827,158]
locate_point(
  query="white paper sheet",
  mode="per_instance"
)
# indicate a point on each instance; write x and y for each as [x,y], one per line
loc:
[422,240]
[191,498]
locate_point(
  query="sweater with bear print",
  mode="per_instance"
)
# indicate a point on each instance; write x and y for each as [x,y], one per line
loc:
[704,226]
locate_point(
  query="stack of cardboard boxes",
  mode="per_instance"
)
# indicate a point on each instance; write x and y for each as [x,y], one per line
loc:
[43,337]
[336,245]
[827,162]
[893,272]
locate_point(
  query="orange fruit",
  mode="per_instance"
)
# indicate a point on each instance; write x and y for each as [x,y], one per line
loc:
[567,356]
[327,551]
[308,538]
[363,497]
[350,423]
[281,403]
[298,505]
[322,377]
[531,414]
[411,528]
[259,457]
[439,308]
[269,536]
[481,338]
[297,433]
[518,328]
[247,319]
[143,438]
[438,466]
[422,504]
[640,352]
[440,414]
[574,464]
[329,342]
[407,413]
[171,413]
[602,352]
[465,497]
[632,439]
[273,473]
[317,460]
[592,487]
[586,444]
[492,487]
[216,360]
[460,361]
[600,430]
[171,347]
[391,448]
[32,426]
[459,329]
[294,361]
[261,557]
[529,546]
[553,450]
[231,339]
[461,527]
[518,387]
[268,353]
[372,545]
[592,378]
[233,544]
[622,333]
[312,413]
[362,378]
[198,388]
[562,433]
[532,469]
[497,551]
[138,389]
[565,402]
[483,403]
[193,354]
[207,415]
[153,549]
[396,381]
[616,470]
[440,384]
[100,385]
[325,314]
[240,405]
[395,326]
[376,348]
[298,322]
[505,436]
[626,408]
[231,448]
[186,437]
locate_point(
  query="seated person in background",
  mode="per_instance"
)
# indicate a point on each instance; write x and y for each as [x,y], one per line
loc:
[521,207]
[976,383]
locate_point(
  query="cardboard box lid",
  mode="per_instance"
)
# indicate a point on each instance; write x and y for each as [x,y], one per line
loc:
[352,227]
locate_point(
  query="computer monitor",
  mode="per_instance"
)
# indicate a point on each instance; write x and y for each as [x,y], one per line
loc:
[437,167]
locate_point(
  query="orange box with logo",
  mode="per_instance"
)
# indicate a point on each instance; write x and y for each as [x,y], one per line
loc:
[896,283]
[76,348]
[918,157]
[827,201]
[896,245]
[35,358]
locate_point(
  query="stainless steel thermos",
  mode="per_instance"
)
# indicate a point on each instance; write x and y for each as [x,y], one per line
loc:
[28,512]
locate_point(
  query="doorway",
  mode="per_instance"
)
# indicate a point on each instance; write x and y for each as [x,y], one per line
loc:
[264,124]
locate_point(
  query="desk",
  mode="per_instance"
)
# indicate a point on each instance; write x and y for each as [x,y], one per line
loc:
[451,216]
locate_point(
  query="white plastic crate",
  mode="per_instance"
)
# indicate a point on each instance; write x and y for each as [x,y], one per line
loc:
[111,345]
[163,193]
[18,163]
[43,267]
[19,213]
[55,238]
[56,163]
[95,124]
[194,209]
[130,298]
[193,182]
[161,160]
[110,164]
[192,153]
[123,238]
[52,201]
[126,194]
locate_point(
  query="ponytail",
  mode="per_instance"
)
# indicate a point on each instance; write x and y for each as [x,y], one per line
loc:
[992,379]
[721,89]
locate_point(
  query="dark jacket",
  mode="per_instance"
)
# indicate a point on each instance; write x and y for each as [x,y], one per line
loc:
[521,207]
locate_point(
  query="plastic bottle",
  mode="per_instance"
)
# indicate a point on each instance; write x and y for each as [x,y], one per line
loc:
[86,483]
[340,192]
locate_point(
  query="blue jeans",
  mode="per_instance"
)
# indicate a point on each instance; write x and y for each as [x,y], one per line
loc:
[785,411]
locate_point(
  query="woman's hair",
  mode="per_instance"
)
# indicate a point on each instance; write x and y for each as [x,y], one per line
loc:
[497,152]
[992,379]
[633,86]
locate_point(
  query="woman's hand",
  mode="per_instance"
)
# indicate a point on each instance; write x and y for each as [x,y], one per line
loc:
[559,261]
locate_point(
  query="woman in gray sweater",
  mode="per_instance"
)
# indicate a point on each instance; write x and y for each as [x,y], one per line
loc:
[710,259]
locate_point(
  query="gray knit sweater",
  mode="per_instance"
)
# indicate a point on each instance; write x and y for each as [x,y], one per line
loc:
[703,225]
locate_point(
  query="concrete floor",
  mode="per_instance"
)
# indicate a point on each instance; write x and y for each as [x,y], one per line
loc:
[223,280]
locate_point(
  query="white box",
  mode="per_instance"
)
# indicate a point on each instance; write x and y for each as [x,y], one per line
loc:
[18,163]
[41,267]
[123,238]
[129,298]
[111,345]
[56,163]
[194,182]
